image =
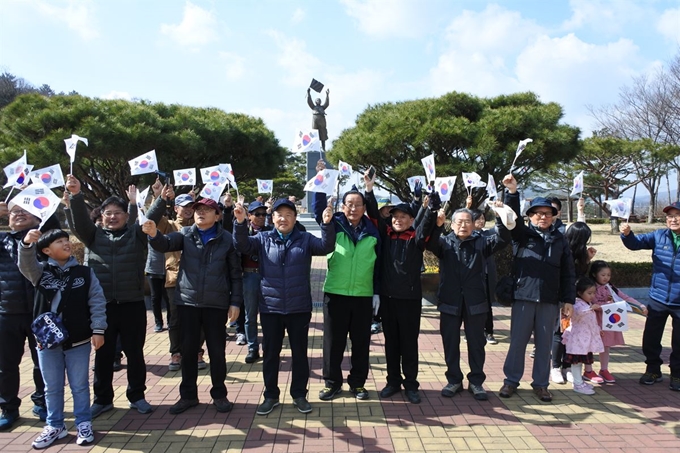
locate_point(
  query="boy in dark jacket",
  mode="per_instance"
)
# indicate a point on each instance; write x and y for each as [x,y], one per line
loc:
[209,291]
[462,293]
[65,287]
[400,292]
[285,259]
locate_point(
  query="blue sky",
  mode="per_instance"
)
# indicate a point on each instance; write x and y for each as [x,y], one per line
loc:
[258,57]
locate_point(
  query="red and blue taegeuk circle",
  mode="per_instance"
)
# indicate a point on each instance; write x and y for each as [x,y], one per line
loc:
[614,318]
[318,180]
[306,140]
[41,202]
[214,175]
[46,178]
[444,189]
[185,177]
[144,164]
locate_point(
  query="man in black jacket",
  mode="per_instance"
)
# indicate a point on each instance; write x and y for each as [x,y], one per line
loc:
[544,278]
[462,294]
[117,256]
[16,315]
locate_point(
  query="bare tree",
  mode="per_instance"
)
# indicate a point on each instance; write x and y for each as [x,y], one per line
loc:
[649,110]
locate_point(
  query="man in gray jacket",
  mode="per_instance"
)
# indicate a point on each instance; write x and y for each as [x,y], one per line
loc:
[209,292]
[117,256]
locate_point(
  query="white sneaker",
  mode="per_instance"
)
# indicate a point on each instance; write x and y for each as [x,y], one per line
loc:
[556,376]
[241,339]
[570,377]
[85,434]
[48,436]
[584,388]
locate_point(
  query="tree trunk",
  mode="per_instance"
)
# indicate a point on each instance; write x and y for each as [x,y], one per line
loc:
[614,223]
[650,212]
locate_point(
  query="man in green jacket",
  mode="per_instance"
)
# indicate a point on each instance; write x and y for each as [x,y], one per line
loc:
[350,293]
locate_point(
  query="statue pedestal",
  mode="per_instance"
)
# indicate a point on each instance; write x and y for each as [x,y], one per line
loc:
[312,158]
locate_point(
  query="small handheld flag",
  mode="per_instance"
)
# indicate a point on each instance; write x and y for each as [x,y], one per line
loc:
[324,181]
[428,165]
[71,144]
[520,147]
[578,185]
[146,163]
[491,187]
[37,199]
[444,186]
[306,141]
[185,177]
[265,186]
[621,207]
[50,176]
[615,317]
[413,180]
[345,168]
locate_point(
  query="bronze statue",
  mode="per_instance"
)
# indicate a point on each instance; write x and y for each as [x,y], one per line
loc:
[319,117]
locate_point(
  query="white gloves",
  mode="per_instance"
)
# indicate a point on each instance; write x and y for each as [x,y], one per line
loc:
[376,304]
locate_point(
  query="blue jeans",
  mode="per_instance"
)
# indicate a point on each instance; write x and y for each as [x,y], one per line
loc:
[76,363]
[251,300]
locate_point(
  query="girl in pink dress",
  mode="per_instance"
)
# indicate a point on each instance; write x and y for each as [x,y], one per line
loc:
[582,337]
[601,273]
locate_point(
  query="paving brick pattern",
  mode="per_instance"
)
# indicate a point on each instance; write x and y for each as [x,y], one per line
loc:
[621,417]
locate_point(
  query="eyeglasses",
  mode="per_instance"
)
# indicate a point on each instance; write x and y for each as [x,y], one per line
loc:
[546,215]
[259,214]
[353,206]
[673,217]
[462,222]
[112,213]
[203,209]
[17,212]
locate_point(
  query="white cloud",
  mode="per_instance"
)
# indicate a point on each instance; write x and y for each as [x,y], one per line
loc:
[497,51]
[394,18]
[78,16]
[298,16]
[117,95]
[669,25]
[234,64]
[299,65]
[605,16]
[198,27]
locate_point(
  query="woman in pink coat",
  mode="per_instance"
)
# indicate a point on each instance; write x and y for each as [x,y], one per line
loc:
[582,337]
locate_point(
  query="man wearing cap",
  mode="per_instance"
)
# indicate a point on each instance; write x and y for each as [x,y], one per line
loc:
[400,292]
[252,292]
[284,256]
[118,257]
[664,294]
[209,292]
[351,293]
[16,316]
[184,210]
[462,298]
[544,277]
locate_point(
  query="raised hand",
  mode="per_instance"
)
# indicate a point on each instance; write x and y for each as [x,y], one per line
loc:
[239,213]
[327,215]
[132,193]
[441,217]
[510,183]
[72,185]
[624,228]
[32,237]
[157,187]
[149,228]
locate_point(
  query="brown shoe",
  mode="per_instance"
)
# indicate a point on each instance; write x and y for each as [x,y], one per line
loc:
[507,391]
[543,394]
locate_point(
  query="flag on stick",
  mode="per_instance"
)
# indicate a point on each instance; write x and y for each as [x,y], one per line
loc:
[615,317]
[37,199]
[324,181]
[307,141]
[491,187]
[50,176]
[413,180]
[444,186]
[345,168]
[17,172]
[265,186]
[520,147]
[146,163]
[621,207]
[578,185]
[185,177]
[428,165]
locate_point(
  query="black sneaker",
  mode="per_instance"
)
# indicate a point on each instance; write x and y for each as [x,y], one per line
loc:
[651,378]
[389,390]
[478,392]
[328,393]
[413,396]
[252,356]
[267,406]
[491,339]
[223,405]
[302,405]
[675,384]
[450,390]
[8,418]
[182,405]
[158,328]
[117,366]
[359,392]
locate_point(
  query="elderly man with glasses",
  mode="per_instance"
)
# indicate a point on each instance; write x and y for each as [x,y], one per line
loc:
[16,315]
[664,294]
[544,277]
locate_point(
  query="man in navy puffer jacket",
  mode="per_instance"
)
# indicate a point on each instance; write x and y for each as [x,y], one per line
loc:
[285,258]
[664,293]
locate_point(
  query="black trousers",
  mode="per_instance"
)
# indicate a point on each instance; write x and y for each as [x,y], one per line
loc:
[342,316]
[401,326]
[651,337]
[158,295]
[274,327]
[212,321]
[488,326]
[474,332]
[15,329]
[173,322]
[127,320]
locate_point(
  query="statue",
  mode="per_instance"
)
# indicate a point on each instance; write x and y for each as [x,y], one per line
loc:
[319,117]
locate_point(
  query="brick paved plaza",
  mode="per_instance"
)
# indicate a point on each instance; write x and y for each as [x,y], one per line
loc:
[625,416]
